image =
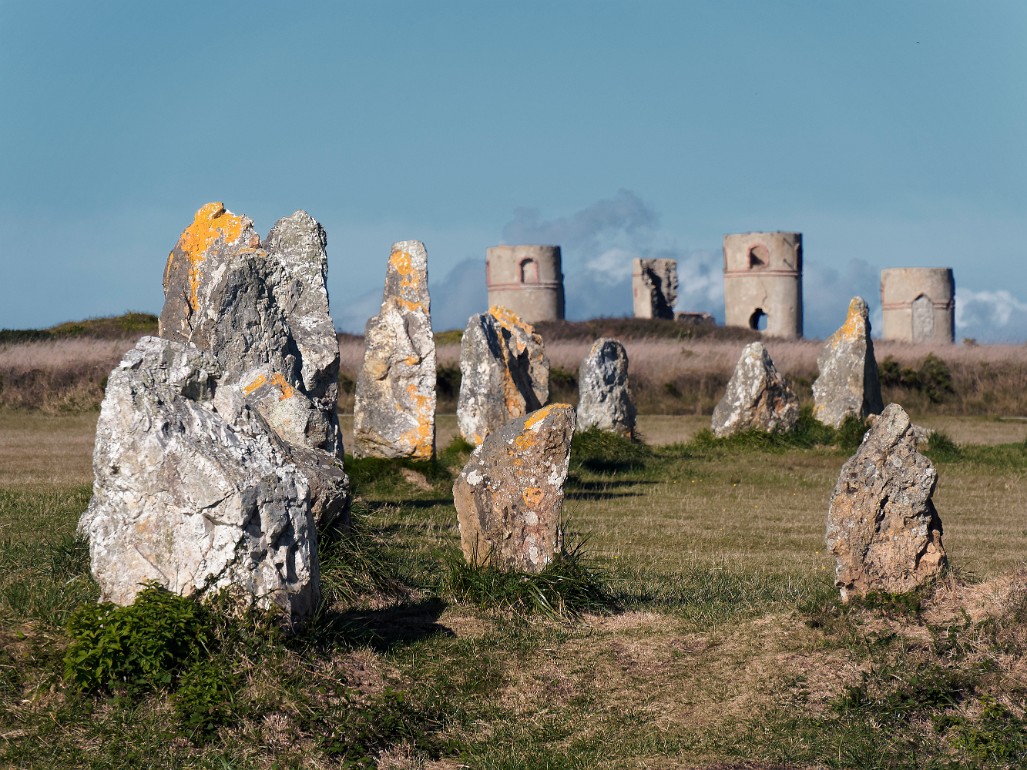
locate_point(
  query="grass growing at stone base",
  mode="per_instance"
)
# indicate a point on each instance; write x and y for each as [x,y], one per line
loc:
[726,645]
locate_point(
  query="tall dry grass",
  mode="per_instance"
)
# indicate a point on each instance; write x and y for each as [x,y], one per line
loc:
[668,376]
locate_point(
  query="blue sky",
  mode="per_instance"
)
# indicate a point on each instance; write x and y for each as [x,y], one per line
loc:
[889,133]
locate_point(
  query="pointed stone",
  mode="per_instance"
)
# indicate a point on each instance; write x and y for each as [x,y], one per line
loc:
[848,382]
[192,500]
[394,407]
[604,397]
[262,313]
[509,496]
[504,373]
[882,526]
[757,397]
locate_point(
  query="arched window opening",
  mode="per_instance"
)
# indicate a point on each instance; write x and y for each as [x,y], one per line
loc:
[758,320]
[529,271]
[759,257]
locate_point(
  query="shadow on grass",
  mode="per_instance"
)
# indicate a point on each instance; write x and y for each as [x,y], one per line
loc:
[382,629]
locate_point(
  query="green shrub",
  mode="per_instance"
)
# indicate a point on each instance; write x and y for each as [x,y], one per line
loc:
[932,377]
[141,647]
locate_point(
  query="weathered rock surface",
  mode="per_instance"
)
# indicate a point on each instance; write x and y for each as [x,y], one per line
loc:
[504,373]
[262,313]
[848,382]
[509,496]
[604,396]
[654,287]
[193,490]
[757,397]
[882,527]
[394,407]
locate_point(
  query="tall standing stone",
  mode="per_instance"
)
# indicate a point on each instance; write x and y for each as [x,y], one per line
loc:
[504,373]
[757,397]
[262,312]
[848,382]
[604,396]
[394,408]
[882,526]
[654,287]
[509,496]
[192,489]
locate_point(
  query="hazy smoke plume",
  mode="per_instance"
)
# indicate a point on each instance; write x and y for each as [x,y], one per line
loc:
[598,244]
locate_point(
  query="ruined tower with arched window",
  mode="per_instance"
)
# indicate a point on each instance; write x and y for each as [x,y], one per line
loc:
[918,304]
[526,279]
[763,282]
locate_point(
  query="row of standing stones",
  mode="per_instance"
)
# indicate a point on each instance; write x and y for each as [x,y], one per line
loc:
[218,456]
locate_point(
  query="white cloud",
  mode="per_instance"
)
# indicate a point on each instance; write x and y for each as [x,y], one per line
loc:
[990,315]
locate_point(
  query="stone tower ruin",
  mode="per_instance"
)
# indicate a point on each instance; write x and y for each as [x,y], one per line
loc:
[763,282]
[654,287]
[918,304]
[526,279]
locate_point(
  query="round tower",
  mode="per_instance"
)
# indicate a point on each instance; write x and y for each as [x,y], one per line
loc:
[763,282]
[526,279]
[918,304]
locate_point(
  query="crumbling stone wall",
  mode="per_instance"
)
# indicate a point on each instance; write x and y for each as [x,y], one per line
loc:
[763,282]
[918,304]
[526,279]
[654,287]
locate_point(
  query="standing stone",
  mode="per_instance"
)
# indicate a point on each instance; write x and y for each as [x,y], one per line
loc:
[604,397]
[509,496]
[882,527]
[192,500]
[757,397]
[262,312]
[504,373]
[654,287]
[394,408]
[848,383]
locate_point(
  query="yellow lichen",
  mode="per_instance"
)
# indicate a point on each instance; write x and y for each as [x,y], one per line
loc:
[509,320]
[542,413]
[420,436]
[523,441]
[853,327]
[288,391]
[532,496]
[409,280]
[211,222]
[259,382]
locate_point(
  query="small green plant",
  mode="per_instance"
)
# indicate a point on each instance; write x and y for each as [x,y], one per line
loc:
[940,446]
[998,735]
[161,642]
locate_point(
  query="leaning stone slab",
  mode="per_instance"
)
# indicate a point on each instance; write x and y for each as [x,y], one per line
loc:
[757,397]
[604,397]
[504,373]
[509,496]
[262,312]
[848,382]
[192,500]
[882,527]
[394,406]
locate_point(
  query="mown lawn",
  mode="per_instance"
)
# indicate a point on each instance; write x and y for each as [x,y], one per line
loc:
[720,642]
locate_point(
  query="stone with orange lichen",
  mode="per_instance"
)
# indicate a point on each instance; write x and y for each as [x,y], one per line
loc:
[604,396]
[261,309]
[504,372]
[192,489]
[509,496]
[394,403]
[848,383]
[882,527]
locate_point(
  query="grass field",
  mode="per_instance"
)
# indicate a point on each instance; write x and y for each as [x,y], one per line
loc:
[721,644]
